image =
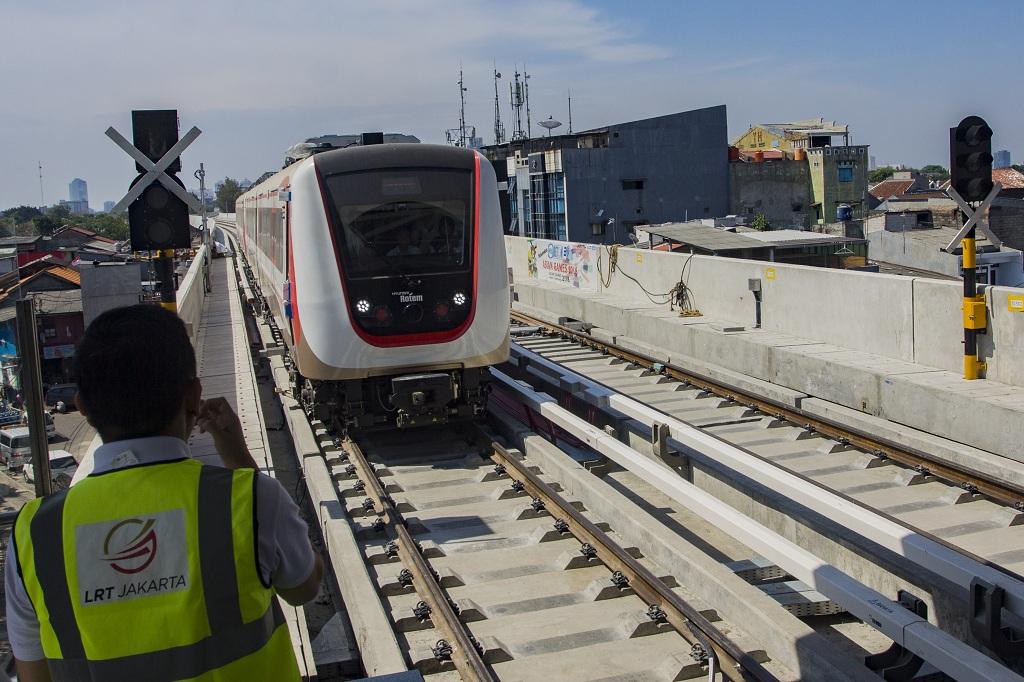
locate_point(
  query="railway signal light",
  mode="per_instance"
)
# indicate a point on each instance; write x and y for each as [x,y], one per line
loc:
[970,158]
[158,218]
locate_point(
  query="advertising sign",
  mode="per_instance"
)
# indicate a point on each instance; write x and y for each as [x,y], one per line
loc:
[573,265]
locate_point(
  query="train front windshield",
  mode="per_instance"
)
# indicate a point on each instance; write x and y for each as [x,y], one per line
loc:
[400,223]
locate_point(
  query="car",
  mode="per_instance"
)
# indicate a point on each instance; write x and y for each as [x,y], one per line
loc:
[15,448]
[62,469]
[51,429]
[61,393]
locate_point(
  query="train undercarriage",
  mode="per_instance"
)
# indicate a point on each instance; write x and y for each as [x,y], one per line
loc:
[406,400]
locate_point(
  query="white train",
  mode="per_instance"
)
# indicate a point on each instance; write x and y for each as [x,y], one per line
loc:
[385,267]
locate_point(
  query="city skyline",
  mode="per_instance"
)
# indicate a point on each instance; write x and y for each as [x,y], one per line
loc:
[359,69]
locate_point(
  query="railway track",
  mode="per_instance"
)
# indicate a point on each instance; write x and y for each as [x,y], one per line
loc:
[489,571]
[967,510]
[464,557]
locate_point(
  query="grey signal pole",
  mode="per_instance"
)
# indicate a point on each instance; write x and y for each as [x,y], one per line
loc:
[32,390]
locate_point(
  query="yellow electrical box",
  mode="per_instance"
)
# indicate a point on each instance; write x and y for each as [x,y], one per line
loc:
[1015,303]
[974,314]
[639,259]
[769,273]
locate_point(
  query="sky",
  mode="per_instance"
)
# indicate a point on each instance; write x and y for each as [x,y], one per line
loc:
[257,77]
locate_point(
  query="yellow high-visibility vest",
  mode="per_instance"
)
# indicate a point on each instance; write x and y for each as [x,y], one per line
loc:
[150,573]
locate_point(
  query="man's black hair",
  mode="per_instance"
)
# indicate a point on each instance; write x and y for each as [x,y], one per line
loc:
[133,367]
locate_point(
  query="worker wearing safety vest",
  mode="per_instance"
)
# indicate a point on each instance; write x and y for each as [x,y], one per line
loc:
[156,566]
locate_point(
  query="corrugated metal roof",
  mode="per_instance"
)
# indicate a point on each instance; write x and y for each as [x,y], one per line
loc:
[67,274]
[48,303]
[703,237]
[799,238]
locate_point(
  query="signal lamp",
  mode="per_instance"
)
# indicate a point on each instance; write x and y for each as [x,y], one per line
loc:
[459,299]
[363,306]
[970,158]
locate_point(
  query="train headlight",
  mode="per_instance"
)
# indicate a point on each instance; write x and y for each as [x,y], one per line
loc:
[459,299]
[382,314]
[441,310]
[363,306]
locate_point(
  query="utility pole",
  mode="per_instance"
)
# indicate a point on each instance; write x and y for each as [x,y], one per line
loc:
[570,112]
[32,390]
[42,201]
[207,237]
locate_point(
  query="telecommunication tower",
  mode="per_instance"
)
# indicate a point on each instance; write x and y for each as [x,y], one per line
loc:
[499,127]
[517,95]
[458,136]
[526,87]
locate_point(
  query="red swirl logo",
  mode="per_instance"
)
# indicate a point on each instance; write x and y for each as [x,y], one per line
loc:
[130,546]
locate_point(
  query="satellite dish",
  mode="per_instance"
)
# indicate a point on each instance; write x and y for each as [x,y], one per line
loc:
[550,124]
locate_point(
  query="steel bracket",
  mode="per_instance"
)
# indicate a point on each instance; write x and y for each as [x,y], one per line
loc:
[897,663]
[987,621]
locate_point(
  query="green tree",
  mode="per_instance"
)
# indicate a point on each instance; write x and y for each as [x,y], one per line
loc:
[761,223]
[1019,167]
[227,191]
[935,171]
[108,225]
[881,173]
[21,214]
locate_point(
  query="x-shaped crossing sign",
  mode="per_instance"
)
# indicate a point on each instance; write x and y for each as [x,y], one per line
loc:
[975,217]
[155,171]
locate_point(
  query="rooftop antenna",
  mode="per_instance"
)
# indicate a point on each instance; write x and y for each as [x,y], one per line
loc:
[517,97]
[550,124]
[570,112]
[526,87]
[42,202]
[462,109]
[499,127]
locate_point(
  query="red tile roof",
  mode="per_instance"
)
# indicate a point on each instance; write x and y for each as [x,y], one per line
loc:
[1009,178]
[890,188]
[92,235]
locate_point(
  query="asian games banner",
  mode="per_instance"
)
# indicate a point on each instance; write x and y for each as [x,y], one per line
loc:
[573,265]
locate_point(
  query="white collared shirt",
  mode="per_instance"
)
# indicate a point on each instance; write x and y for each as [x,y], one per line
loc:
[285,555]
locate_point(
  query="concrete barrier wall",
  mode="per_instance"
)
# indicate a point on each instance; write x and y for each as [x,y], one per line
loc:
[904,318]
[192,293]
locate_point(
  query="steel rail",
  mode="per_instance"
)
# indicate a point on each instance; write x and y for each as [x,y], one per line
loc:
[464,656]
[904,627]
[736,664]
[964,477]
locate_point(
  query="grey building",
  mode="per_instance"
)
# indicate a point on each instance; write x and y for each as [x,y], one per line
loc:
[597,185]
[79,192]
[1001,159]
[108,206]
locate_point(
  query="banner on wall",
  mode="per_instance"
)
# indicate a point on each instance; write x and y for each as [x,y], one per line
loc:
[573,265]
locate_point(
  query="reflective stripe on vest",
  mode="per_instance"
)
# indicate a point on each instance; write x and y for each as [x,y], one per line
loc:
[211,619]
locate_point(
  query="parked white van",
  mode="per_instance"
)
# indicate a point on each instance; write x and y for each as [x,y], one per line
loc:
[15,448]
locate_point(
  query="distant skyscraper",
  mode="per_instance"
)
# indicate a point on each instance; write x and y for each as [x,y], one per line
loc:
[79,191]
[872,164]
[108,206]
[1001,159]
